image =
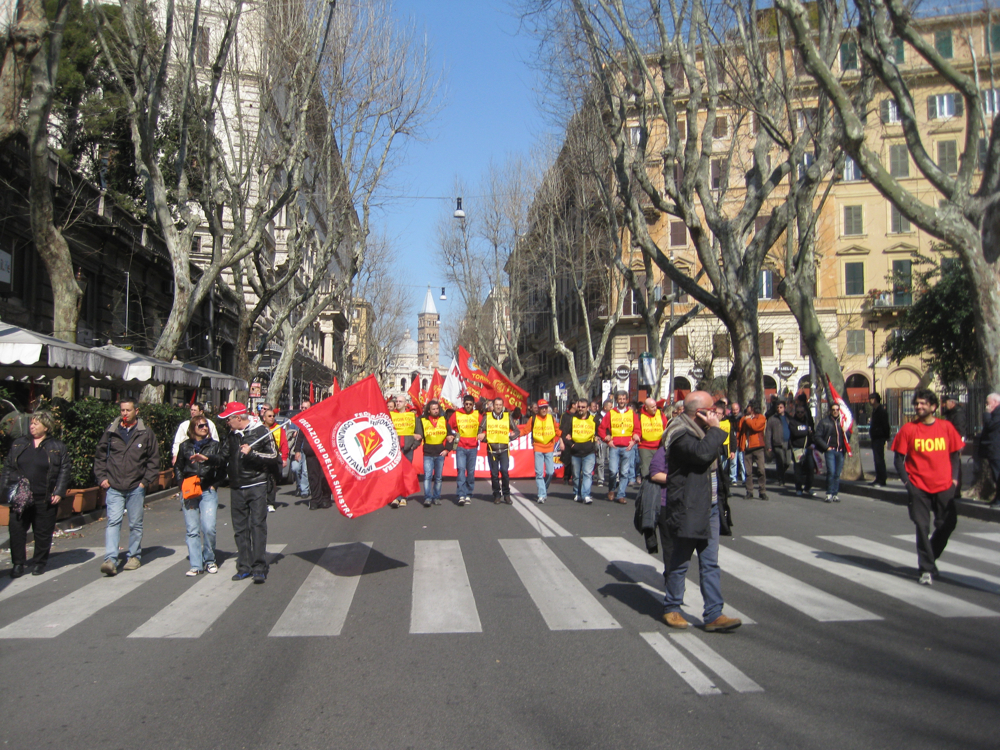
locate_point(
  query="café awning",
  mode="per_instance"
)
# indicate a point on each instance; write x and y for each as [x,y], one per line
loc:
[38,352]
[146,369]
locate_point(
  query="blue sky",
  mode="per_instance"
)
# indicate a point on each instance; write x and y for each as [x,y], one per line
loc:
[489,111]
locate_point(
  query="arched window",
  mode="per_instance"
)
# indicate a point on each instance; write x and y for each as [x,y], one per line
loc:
[423,384]
[402,384]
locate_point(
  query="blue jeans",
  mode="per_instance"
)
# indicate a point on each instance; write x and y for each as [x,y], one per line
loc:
[199,520]
[301,472]
[737,471]
[621,459]
[545,467]
[583,475]
[118,503]
[433,470]
[708,570]
[465,464]
[834,465]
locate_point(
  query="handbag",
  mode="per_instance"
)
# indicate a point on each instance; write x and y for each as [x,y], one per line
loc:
[191,488]
[19,495]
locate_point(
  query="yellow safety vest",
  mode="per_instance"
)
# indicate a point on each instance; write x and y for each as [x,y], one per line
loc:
[435,434]
[468,424]
[725,427]
[405,422]
[583,430]
[622,424]
[497,430]
[276,434]
[652,426]
[543,429]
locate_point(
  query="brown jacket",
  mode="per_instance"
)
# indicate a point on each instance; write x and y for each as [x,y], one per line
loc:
[751,435]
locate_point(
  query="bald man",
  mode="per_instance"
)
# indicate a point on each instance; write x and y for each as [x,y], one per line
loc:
[689,520]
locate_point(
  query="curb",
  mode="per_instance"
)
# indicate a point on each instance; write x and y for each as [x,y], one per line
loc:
[74,523]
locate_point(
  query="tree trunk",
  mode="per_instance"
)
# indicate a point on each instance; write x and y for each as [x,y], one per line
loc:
[747,369]
[24,40]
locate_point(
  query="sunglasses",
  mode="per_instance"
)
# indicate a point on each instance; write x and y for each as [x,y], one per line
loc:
[202,426]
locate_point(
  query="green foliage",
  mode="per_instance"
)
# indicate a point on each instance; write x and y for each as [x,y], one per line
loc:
[83,423]
[940,325]
[163,419]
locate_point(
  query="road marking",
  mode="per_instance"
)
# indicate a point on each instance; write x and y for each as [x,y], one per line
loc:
[807,599]
[562,600]
[197,609]
[59,563]
[724,669]
[989,536]
[442,597]
[982,554]
[647,571]
[683,666]
[72,609]
[538,513]
[321,604]
[533,522]
[908,591]
[962,575]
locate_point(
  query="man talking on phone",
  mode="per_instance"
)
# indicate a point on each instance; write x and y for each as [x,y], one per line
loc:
[690,519]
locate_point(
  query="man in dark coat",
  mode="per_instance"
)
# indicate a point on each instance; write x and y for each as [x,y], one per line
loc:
[989,443]
[879,432]
[953,411]
[690,519]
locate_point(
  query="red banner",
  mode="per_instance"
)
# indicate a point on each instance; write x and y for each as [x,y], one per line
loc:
[416,395]
[513,397]
[353,436]
[522,460]
[434,389]
[476,381]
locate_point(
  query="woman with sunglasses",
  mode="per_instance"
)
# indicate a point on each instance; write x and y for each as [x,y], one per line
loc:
[199,456]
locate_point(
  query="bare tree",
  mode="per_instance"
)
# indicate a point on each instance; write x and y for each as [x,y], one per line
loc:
[20,42]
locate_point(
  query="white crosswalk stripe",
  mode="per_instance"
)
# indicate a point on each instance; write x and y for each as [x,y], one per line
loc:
[564,602]
[726,670]
[683,666]
[442,597]
[62,562]
[989,536]
[982,554]
[922,597]
[321,604]
[647,572]
[548,524]
[61,615]
[958,573]
[197,609]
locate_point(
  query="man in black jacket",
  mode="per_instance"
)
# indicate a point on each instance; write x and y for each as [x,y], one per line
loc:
[879,432]
[690,519]
[126,462]
[251,456]
[989,443]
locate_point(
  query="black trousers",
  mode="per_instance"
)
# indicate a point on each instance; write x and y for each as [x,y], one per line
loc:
[320,495]
[995,468]
[782,460]
[922,505]
[40,516]
[804,470]
[499,472]
[249,511]
[878,452]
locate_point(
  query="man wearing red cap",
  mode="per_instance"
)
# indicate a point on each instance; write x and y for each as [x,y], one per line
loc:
[251,456]
[545,436]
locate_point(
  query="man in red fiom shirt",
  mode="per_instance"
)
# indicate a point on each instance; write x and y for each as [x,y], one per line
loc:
[928,452]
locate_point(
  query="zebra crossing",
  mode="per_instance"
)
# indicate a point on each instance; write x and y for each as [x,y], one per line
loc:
[443,600]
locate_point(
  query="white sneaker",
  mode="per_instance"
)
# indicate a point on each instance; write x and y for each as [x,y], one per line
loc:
[926,579]
[587,501]
[212,568]
[270,509]
[541,501]
[402,502]
[576,498]
[394,503]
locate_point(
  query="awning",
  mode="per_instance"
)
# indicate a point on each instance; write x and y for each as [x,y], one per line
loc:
[150,370]
[21,346]
[218,380]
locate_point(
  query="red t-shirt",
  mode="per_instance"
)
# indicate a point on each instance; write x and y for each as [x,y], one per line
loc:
[928,449]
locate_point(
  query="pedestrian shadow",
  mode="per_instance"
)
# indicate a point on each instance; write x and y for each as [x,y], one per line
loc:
[351,559]
[56,561]
[630,593]
[959,580]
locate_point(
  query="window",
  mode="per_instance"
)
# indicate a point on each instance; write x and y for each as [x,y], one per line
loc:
[680,296]
[721,127]
[678,234]
[898,51]
[754,123]
[899,160]
[201,46]
[807,161]
[632,296]
[854,279]
[855,342]
[947,156]
[681,130]
[759,223]
[720,346]
[940,106]
[902,290]
[765,342]
[942,43]
[898,224]
[804,118]
[634,135]
[849,56]
[852,172]
[889,111]
[853,220]
[993,39]
[991,101]
[637,344]
[680,347]
[765,284]
[719,169]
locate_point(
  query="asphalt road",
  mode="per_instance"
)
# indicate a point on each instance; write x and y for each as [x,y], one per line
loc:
[491,627]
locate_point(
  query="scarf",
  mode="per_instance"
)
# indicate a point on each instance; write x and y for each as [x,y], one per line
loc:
[683,425]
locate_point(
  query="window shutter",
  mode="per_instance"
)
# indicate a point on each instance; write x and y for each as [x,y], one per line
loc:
[959,106]
[931,107]
[766,343]
[884,107]
[680,347]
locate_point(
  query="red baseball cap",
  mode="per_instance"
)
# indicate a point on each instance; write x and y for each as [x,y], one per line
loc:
[542,402]
[232,409]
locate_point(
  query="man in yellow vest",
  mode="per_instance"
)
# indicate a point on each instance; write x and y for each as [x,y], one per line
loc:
[437,439]
[620,430]
[405,423]
[498,428]
[652,422]
[465,424]
[545,434]
[579,432]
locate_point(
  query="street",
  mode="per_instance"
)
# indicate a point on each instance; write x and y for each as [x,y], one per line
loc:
[520,626]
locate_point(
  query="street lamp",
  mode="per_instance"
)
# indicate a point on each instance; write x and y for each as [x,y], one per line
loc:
[780,342]
[873,327]
[459,213]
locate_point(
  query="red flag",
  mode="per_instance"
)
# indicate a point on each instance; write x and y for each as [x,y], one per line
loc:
[312,391]
[194,397]
[437,382]
[846,418]
[358,449]
[476,381]
[335,388]
[513,397]
[416,395]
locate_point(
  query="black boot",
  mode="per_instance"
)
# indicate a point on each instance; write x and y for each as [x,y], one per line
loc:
[17,571]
